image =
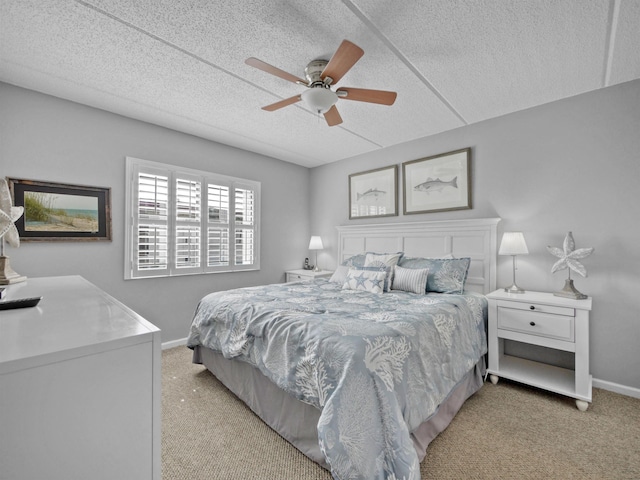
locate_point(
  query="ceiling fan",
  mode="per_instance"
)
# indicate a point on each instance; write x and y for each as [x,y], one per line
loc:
[321,75]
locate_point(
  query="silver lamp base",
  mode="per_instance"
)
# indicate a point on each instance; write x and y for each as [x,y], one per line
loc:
[569,291]
[513,289]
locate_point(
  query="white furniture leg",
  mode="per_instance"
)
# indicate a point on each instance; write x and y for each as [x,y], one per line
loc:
[582,405]
[494,379]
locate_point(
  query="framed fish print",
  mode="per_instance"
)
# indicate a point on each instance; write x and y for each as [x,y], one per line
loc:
[437,184]
[374,193]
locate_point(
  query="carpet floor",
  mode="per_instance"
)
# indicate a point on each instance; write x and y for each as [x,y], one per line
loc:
[504,431]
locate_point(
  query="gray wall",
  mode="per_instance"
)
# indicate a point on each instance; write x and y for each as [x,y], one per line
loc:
[46,138]
[572,165]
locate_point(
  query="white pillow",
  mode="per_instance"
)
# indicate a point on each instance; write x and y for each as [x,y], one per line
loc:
[340,275]
[382,259]
[412,280]
[368,280]
[388,260]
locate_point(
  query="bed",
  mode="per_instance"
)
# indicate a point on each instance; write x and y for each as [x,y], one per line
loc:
[358,375]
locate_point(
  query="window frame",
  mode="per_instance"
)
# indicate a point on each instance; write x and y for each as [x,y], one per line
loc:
[135,166]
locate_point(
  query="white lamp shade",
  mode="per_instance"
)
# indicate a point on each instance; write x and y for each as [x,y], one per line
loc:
[315,243]
[319,99]
[513,244]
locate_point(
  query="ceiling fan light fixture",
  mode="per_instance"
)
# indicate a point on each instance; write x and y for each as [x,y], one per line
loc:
[319,99]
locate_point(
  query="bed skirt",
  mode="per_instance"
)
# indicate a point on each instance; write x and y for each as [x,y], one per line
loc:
[297,421]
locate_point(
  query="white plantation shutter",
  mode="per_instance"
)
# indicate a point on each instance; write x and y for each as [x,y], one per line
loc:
[188,199]
[244,233]
[218,247]
[244,206]
[184,221]
[187,247]
[151,240]
[153,196]
[244,246]
[152,247]
[188,202]
[218,226]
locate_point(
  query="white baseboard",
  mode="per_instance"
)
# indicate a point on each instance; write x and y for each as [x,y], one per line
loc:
[174,343]
[617,388]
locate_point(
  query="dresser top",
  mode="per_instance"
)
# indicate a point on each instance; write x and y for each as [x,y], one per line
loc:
[73,318]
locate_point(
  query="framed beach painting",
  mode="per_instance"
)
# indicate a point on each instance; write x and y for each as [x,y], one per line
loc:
[438,183]
[374,193]
[61,212]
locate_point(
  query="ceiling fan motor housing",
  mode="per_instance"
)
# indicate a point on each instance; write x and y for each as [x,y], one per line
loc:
[313,71]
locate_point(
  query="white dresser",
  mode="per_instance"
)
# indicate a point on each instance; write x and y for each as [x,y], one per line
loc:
[79,386]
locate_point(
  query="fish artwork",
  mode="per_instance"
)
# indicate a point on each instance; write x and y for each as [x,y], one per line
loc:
[372,193]
[436,185]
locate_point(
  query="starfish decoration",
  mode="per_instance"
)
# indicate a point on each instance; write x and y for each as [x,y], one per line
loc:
[376,283]
[360,280]
[569,256]
[8,215]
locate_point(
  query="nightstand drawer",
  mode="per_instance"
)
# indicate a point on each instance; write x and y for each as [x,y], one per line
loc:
[536,322]
[301,275]
[539,308]
[297,277]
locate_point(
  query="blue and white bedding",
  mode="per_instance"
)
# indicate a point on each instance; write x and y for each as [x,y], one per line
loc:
[376,365]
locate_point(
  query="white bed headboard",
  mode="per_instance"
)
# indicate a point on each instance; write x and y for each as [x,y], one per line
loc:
[475,238]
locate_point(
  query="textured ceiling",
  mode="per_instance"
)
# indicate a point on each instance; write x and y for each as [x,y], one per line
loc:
[180,63]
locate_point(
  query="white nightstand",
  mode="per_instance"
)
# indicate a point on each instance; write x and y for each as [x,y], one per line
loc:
[547,320]
[301,275]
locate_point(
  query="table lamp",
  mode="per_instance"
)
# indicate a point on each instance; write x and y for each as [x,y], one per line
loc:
[513,244]
[316,244]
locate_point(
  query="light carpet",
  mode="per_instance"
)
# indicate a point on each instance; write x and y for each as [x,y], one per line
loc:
[504,431]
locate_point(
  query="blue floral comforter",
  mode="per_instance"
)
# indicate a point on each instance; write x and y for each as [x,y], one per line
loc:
[376,365]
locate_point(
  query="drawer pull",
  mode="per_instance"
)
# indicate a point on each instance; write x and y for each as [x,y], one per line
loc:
[533,324]
[532,307]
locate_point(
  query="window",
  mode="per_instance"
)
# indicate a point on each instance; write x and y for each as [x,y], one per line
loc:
[184,221]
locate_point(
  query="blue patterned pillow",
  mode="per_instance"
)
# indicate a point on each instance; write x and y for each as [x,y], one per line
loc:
[367,280]
[356,261]
[412,280]
[446,275]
